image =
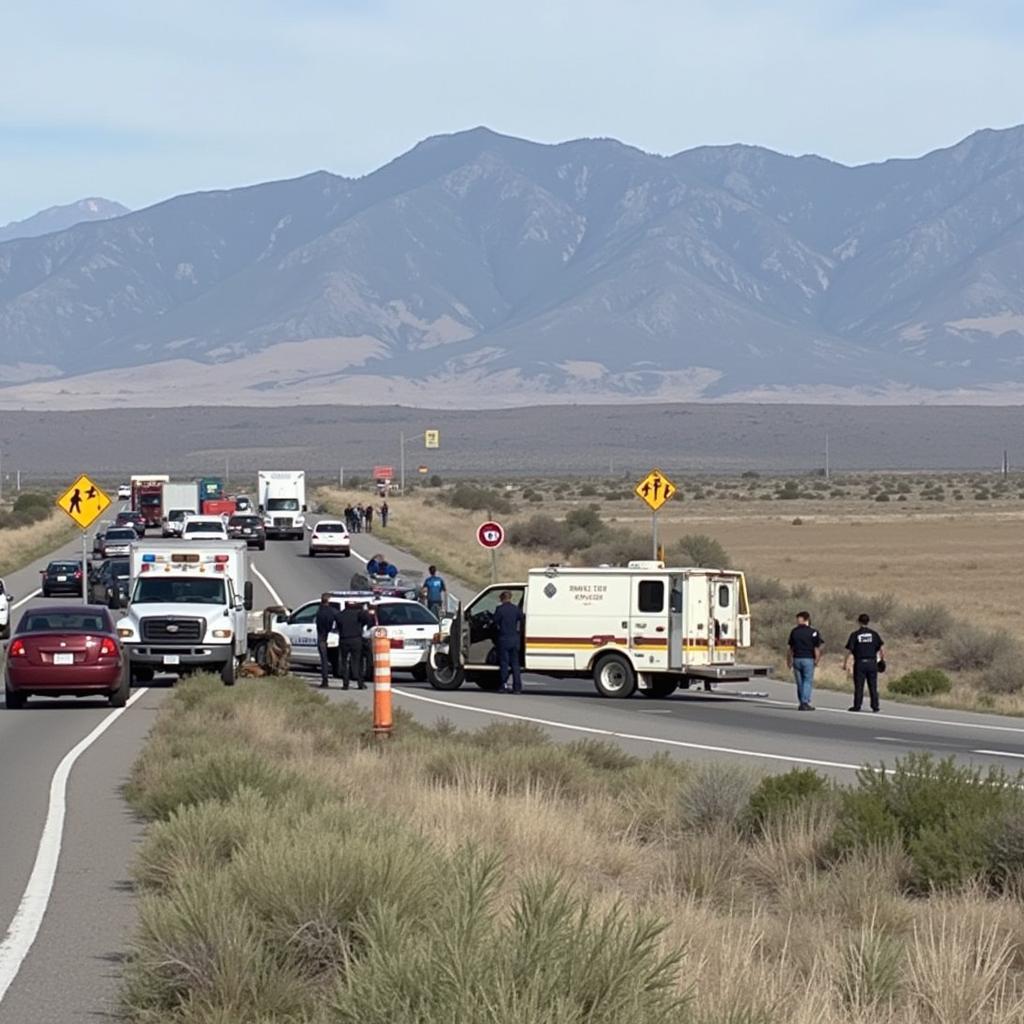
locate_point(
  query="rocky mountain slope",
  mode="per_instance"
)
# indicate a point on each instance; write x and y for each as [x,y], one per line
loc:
[59,218]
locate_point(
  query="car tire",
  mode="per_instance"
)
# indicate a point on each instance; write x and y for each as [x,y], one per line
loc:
[12,698]
[5,633]
[119,698]
[263,546]
[661,687]
[312,553]
[141,673]
[46,592]
[443,676]
[228,672]
[614,676]
[419,672]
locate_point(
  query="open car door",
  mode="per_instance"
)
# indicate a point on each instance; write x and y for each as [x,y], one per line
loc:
[446,662]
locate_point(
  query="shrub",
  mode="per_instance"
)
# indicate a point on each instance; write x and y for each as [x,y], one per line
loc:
[435,481]
[766,588]
[923,622]
[797,522]
[617,549]
[715,796]
[921,683]
[789,491]
[966,649]
[475,498]
[882,497]
[539,531]
[587,518]
[1004,675]
[588,491]
[777,795]
[699,550]
[29,501]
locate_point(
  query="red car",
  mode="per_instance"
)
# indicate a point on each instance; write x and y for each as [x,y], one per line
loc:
[66,651]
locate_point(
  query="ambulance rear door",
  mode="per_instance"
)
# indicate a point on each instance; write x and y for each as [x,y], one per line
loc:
[724,600]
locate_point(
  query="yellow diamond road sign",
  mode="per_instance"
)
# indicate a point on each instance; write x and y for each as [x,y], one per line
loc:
[431,438]
[655,489]
[83,501]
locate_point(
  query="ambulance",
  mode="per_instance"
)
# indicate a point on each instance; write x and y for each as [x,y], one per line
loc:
[187,608]
[640,626]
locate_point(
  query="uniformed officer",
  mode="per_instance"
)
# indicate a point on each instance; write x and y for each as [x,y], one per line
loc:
[508,624]
[865,649]
[351,623]
[326,621]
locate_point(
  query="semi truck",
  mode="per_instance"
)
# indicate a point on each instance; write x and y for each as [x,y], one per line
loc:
[187,608]
[147,496]
[642,626]
[282,502]
[178,501]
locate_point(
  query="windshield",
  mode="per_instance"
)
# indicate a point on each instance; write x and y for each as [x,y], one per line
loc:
[118,569]
[120,534]
[245,521]
[153,590]
[64,567]
[151,499]
[191,528]
[329,528]
[177,514]
[74,622]
[282,504]
[404,615]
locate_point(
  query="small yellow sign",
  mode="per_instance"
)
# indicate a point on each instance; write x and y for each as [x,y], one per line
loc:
[83,501]
[432,438]
[655,489]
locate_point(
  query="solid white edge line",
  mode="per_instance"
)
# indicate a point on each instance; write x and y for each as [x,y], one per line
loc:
[998,753]
[633,736]
[28,918]
[26,599]
[270,587]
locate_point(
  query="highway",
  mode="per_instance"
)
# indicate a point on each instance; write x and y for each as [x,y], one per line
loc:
[81,837]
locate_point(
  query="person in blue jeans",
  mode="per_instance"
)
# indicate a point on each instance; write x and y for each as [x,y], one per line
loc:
[802,656]
[437,591]
[508,625]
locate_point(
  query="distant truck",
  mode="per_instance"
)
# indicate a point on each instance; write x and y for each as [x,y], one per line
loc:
[282,502]
[641,626]
[178,500]
[211,488]
[187,608]
[147,496]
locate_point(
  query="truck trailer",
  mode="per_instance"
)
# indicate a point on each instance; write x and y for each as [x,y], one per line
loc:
[282,502]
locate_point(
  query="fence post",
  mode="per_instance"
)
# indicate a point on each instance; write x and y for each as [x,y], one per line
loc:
[382,719]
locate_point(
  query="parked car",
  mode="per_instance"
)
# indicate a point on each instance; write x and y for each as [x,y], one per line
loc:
[250,528]
[66,651]
[62,577]
[124,492]
[136,520]
[109,581]
[329,537]
[118,540]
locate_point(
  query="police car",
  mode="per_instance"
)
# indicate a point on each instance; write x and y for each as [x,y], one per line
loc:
[329,537]
[409,625]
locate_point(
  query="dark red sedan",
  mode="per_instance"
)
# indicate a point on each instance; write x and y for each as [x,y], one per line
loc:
[66,651]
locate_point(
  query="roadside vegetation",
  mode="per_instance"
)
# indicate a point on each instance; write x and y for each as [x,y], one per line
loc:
[294,871]
[31,528]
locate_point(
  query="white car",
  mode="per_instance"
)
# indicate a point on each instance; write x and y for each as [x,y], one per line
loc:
[175,520]
[410,629]
[329,537]
[124,492]
[204,528]
[5,612]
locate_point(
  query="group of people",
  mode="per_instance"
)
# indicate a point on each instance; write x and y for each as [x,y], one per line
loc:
[350,622]
[359,518]
[864,656]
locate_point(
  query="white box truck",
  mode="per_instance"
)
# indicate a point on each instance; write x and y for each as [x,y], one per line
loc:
[282,502]
[187,608]
[640,626]
[179,500]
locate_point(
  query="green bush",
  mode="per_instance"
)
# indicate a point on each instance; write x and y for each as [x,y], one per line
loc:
[766,588]
[967,649]
[539,531]
[715,796]
[29,500]
[923,622]
[475,498]
[777,795]
[921,682]
[1004,675]
[699,550]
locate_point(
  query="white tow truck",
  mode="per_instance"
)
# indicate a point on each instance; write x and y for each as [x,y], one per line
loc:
[187,608]
[282,502]
[641,626]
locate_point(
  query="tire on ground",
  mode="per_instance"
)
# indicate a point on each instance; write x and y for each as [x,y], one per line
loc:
[661,686]
[614,676]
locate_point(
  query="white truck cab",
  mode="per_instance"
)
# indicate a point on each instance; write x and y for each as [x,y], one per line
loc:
[282,502]
[640,626]
[187,608]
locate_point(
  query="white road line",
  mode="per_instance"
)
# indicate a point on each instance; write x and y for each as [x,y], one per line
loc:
[270,587]
[998,753]
[29,916]
[25,600]
[633,736]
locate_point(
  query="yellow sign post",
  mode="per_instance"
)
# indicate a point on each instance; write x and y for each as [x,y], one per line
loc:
[654,490]
[84,502]
[432,438]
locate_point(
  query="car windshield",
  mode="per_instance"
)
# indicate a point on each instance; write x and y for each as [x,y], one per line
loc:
[404,615]
[63,567]
[329,528]
[119,568]
[282,504]
[53,619]
[153,590]
[204,528]
[177,514]
[244,520]
[120,534]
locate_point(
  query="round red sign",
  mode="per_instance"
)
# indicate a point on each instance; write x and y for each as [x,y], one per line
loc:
[490,535]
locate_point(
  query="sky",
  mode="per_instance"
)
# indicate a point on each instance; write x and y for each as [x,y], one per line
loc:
[138,101]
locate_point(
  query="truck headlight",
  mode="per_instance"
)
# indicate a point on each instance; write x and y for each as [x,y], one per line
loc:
[223,634]
[300,520]
[125,632]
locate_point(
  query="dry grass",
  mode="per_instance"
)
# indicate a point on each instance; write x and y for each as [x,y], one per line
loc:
[768,933]
[23,545]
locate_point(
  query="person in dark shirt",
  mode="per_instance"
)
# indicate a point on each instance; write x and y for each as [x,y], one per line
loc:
[326,622]
[865,649]
[802,656]
[351,623]
[508,624]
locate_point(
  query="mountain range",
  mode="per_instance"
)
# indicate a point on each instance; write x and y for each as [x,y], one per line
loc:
[58,218]
[480,269]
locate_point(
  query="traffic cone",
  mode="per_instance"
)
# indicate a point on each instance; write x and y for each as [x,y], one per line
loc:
[382,718]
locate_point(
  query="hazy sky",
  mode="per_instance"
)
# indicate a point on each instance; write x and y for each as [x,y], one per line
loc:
[140,100]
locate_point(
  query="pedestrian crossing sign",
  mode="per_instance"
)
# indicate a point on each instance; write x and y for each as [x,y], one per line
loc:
[655,489]
[432,438]
[83,501]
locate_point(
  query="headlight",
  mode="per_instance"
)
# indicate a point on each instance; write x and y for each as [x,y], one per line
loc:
[125,633]
[300,520]
[223,634]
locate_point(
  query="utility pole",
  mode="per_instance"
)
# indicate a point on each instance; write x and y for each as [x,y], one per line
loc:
[828,468]
[401,462]
[1006,463]
[18,478]
[341,477]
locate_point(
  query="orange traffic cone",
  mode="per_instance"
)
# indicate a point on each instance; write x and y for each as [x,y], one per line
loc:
[382,720]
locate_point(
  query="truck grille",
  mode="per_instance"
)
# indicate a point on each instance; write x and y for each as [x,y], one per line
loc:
[282,521]
[172,630]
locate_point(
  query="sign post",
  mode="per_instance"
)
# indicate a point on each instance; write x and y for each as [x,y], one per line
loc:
[654,490]
[84,502]
[491,535]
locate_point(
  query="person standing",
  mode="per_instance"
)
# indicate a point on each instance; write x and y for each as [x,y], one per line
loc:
[437,591]
[803,655]
[326,623]
[865,649]
[508,624]
[368,512]
[351,623]
[384,513]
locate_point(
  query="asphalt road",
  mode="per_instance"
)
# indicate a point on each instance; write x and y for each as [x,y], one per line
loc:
[71,970]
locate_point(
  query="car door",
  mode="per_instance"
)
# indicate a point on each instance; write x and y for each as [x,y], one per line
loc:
[300,629]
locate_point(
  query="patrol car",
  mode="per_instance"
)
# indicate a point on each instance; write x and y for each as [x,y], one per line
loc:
[640,626]
[409,625]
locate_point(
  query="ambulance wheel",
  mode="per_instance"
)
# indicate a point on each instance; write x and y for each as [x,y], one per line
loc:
[661,686]
[490,681]
[443,676]
[614,676]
